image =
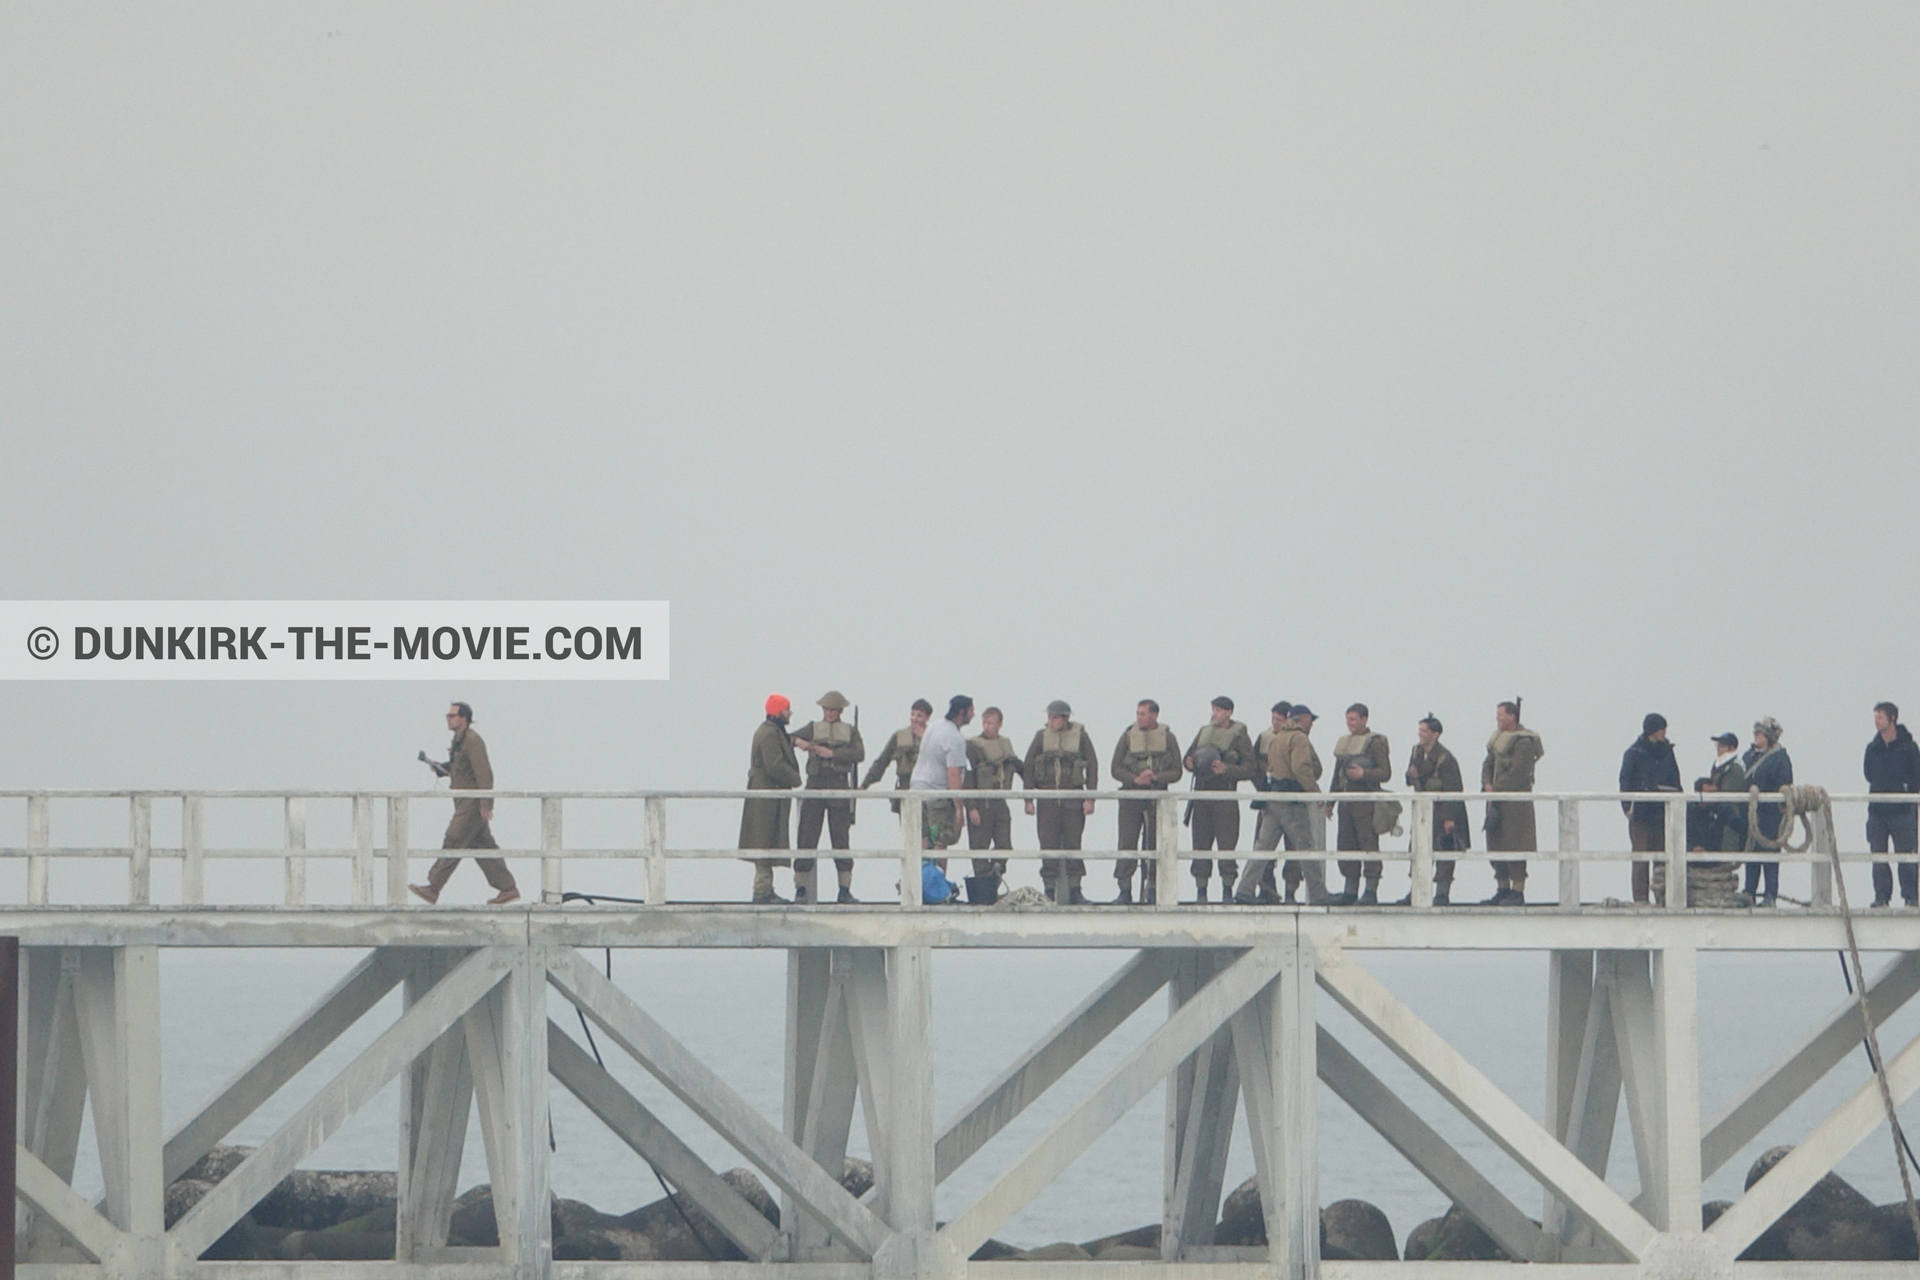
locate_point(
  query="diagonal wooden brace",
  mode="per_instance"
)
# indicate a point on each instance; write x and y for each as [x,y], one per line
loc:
[323,1115]
[1183,1032]
[695,1084]
[1495,1114]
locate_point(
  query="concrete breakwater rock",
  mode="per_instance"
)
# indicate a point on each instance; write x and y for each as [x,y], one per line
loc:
[350,1215]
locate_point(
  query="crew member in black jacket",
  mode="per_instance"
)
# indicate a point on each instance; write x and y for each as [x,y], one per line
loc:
[1648,765]
[1893,765]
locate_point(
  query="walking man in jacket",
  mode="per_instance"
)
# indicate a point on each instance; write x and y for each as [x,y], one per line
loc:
[468,769]
[1434,768]
[1512,753]
[1769,768]
[1648,765]
[1147,758]
[1893,766]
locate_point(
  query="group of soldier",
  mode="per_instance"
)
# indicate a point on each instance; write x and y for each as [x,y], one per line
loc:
[1148,757]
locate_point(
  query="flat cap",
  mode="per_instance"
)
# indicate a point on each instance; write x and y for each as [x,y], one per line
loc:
[1059,707]
[833,700]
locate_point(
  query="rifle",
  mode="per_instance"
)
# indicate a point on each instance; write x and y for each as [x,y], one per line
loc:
[439,770]
[853,806]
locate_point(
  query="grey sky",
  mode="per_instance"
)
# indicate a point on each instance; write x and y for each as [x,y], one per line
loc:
[1410,354]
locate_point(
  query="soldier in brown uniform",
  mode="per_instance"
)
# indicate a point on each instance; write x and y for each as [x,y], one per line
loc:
[1292,767]
[469,770]
[902,751]
[1220,759]
[1512,752]
[772,766]
[1362,761]
[834,751]
[1061,758]
[1433,768]
[1147,758]
[994,766]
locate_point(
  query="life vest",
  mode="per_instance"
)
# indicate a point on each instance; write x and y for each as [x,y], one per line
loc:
[1062,767]
[906,750]
[1143,745]
[828,733]
[993,771]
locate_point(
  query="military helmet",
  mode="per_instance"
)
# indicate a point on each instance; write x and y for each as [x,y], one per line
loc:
[1059,707]
[1204,758]
[833,700]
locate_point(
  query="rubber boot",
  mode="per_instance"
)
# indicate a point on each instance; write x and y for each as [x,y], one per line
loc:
[1443,894]
[1075,898]
[1348,895]
[763,887]
[1124,898]
[1370,897]
[1200,884]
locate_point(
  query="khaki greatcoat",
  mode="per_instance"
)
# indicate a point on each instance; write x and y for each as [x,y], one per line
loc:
[772,767]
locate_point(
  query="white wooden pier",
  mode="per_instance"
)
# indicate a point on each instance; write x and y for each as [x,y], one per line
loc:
[1241,986]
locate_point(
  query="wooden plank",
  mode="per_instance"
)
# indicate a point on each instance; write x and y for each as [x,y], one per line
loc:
[1293,1056]
[364,986]
[1193,1205]
[1676,1000]
[658,1145]
[444,1105]
[909,1128]
[695,1084]
[1438,1161]
[1093,1115]
[331,1107]
[1054,1054]
[1495,1114]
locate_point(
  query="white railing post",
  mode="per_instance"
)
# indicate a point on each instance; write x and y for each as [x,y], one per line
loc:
[910,853]
[362,851]
[140,851]
[1675,813]
[1820,846]
[37,862]
[656,814]
[551,864]
[396,851]
[1166,851]
[296,839]
[1569,844]
[193,850]
[1421,849]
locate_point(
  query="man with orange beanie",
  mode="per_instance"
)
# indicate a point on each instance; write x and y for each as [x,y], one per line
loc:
[772,767]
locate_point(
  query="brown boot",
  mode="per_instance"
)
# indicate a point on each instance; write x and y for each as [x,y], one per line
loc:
[426,892]
[502,898]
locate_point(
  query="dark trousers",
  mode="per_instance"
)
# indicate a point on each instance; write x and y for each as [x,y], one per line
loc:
[1648,836]
[469,830]
[1139,829]
[1755,870]
[1900,829]
[993,831]
[1061,824]
[1356,834]
[1446,842]
[1216,825]
[837,815]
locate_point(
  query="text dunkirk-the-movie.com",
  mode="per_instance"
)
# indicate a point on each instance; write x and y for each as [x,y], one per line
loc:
[333,639]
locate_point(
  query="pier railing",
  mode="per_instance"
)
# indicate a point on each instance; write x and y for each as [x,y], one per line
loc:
[382,845]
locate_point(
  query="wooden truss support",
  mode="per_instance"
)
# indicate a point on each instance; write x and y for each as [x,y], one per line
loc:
[1184,1032]
[1203,1096]
[690,1080]
[306,1039]
[1051,1056]
[1784,1083]
[1816,1153]
[1496,1115]
[1437,1160]
[53,1076]
[117,1002]
[434,1014]
[659,1146]
[64,1210]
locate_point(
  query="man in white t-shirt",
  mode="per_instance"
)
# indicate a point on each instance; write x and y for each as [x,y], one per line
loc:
[942,766]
